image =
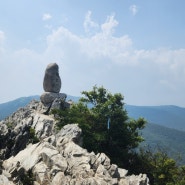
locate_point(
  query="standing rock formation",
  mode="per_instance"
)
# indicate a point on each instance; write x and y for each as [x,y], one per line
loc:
[52,81]
[52,85]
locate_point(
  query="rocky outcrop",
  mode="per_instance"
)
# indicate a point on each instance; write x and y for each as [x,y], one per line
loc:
[49,97]
[52,98]
[34,152]
[57,158]
[16,131]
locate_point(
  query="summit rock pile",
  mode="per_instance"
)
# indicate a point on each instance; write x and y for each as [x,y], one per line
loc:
[33,151]
[52,85]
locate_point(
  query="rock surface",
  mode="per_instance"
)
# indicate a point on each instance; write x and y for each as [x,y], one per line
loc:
[56,158]
[52,98]
[49,97]
[52,81]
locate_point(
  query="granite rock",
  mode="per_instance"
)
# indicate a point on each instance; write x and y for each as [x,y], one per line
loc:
[49,97]
[52,81]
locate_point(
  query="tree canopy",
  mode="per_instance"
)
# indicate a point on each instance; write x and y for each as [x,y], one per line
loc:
[107,128]
[105,124]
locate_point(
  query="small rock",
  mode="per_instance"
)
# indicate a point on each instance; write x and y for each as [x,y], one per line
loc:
[122,172]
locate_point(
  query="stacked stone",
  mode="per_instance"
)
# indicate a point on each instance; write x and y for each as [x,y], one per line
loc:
[52,85]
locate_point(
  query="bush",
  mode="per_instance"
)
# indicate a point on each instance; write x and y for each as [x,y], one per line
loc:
[33,138]
[117,138]
[161,169]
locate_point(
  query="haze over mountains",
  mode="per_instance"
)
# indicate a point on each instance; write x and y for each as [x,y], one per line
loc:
[165,115]
[166,124]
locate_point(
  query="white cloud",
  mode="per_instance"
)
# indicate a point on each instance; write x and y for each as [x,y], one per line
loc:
[134,9]
[109,25]
[100,45]
[46,16]
[167,84]
[143,76]
[89,25]
[2,39]
[2,36]
[112,61]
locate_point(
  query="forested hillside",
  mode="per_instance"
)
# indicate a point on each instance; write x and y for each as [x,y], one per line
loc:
[168,115]
[173,141]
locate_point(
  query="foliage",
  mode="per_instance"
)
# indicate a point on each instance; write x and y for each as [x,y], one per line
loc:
[121,139]
[10,125]
[123,135]
[92,113]
[33,138]
[170,139]
[26,178]
[161,169]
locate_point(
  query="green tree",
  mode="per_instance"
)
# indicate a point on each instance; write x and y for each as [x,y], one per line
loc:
[159,167]
[120,139]
[92,112]
[123,134]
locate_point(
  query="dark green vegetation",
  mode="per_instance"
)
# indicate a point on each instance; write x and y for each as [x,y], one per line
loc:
[24,178]
[159,167]
[116,140]
[120,139]
[165,128]
[170,139]
[32,136]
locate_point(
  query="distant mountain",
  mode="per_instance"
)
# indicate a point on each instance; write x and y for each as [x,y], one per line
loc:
[8,108]
[160,130]
[73,98]
[172,140]
[168,115]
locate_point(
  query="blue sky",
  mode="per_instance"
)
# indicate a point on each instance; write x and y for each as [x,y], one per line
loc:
[134,47]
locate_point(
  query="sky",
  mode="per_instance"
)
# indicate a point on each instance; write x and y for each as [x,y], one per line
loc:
[132,47]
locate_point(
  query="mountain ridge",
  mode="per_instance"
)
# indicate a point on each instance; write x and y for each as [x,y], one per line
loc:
[170,116]
[156,132]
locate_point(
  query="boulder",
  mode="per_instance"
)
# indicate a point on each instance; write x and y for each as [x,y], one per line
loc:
[52,81]
[52,98]
[24,127]
[5,181]
[49,97]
